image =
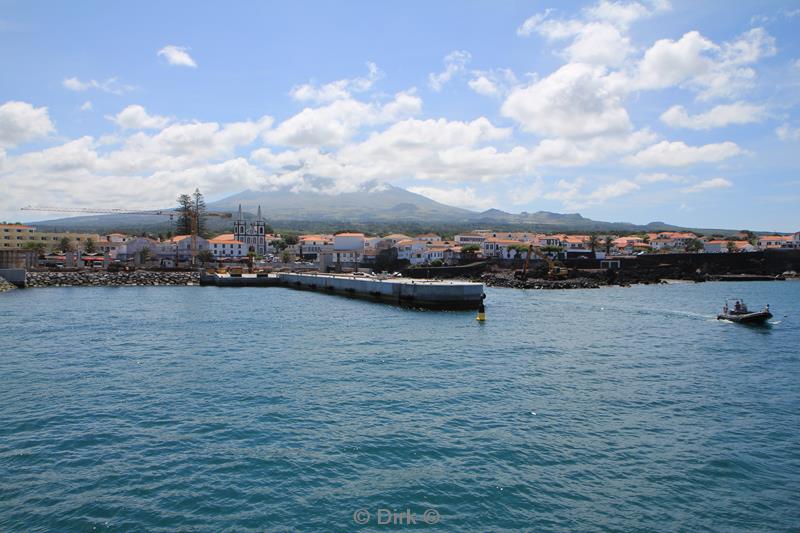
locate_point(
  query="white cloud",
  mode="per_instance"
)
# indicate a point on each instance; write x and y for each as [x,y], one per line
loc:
[668,63]
[111,85]
[454,63]
[466,197]
[87,106]
[20,122]
[611,190]
[623,14]
[658,177]
[714,183]
[573,196]
[531,23]
[337,122]
[600,37]
[566,191]
[575,101]
[135,117]
[431,150]
[483,85]
[599,44]
[676,154]
[787,133]
[339,89]
[714,71]
[177,55]
[719,116]
[492,82]
[581,152]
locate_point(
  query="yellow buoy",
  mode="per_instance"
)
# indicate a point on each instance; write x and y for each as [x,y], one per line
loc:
[481,311]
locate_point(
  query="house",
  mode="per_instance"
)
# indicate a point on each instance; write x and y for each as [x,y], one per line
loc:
[470,238]
[766,242]
[719,246]
[672,240]
[182,246]
[348,249]
[428,238]
[428,255]
[502,248]
[394,238]
[554,241]
[227,246]
[311,246]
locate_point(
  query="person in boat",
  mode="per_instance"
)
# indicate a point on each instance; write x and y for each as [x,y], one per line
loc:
[737,307]
[725,309]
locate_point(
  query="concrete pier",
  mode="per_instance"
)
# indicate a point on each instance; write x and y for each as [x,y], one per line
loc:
[399,291]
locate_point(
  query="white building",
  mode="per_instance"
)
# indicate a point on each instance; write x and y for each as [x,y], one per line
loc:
[226,246]
[470,239]
[348,249]
[310,247]
[253,234]
[502,248]
[349,242]
[183,246]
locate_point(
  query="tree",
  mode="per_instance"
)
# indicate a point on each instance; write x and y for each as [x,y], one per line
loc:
[470,249]
[290,239]
[751,237]
[694,245]
[89,246]
[35,246]
[185,210]
[608,242]
[593,241]
[731,247]
[145,254]
[205,256]
[286,256]
[65,245]
[200,213]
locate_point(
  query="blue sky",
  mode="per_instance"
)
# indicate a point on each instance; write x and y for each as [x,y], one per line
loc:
[677,111]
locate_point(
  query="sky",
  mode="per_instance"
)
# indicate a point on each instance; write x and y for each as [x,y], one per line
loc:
[653,110]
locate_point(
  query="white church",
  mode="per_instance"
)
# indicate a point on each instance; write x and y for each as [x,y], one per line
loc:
[252,234]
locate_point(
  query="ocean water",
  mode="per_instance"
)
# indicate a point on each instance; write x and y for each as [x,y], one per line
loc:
[211,409]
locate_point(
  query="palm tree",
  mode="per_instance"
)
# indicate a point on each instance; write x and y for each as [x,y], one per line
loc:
[593,241]
[608,242]
[205,256]
[35,246]
[89,247]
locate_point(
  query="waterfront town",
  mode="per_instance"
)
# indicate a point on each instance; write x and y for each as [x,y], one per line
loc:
[251,241]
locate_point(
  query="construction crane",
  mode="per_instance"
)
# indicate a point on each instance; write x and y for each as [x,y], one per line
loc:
[553,270]
[193,213]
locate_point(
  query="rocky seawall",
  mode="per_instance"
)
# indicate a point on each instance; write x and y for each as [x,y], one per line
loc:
[5,285]
[507,279]
[110,279]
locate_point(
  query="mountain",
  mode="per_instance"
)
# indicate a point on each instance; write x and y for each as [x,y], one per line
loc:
[375,202]
[373,208]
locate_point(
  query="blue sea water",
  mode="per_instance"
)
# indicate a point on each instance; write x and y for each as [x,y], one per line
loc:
[210,409]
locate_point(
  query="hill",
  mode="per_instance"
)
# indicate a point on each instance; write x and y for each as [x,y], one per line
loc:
[374,208]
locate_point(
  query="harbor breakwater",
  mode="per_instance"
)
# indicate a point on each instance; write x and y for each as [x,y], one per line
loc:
[5,285]
[110,279]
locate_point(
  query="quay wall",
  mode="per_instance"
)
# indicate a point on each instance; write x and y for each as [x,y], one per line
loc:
[14,276]
[406,292]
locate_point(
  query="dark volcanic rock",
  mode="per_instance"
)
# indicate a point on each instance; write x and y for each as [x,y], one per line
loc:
[507,279]
[110,279]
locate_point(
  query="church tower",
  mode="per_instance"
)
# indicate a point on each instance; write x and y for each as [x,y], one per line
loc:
[252,234]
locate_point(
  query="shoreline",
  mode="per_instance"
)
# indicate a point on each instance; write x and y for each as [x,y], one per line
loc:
[183,278]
